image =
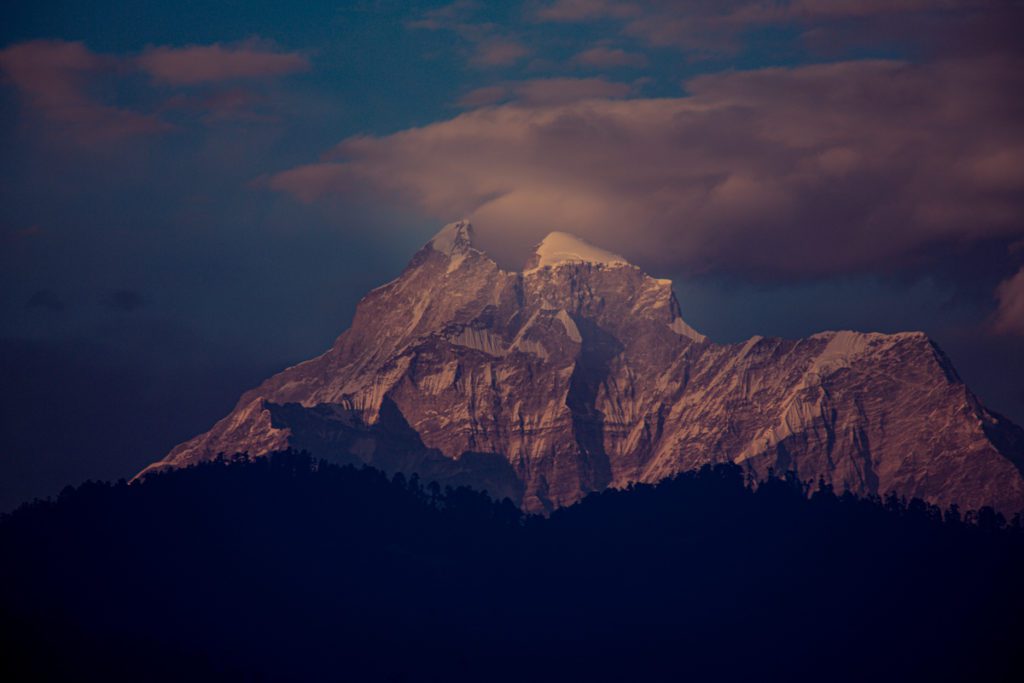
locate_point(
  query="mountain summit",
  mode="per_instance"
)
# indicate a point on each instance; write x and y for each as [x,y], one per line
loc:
[579,374]
[561,247]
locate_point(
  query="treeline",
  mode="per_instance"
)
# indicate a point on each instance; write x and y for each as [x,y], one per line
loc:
[285,568]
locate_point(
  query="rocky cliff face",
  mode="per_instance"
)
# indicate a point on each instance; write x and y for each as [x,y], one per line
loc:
[578,374]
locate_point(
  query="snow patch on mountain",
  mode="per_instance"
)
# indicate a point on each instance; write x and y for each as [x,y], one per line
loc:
[570,326]
[845,346]
[561,247]
[680,327]
[454,238]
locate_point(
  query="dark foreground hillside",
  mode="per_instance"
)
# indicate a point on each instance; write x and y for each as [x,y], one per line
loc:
[282,569]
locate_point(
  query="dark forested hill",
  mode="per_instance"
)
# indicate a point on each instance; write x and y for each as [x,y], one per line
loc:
[283,568]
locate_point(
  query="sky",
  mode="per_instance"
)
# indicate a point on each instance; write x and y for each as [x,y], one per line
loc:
[194,195]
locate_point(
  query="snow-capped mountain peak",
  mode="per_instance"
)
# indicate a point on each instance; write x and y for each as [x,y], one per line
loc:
[561,247]
[453,238]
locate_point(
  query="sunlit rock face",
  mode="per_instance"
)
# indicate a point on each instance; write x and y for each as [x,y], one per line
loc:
[579,373]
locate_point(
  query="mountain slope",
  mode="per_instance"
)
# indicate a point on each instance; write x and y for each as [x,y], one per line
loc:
[579,374]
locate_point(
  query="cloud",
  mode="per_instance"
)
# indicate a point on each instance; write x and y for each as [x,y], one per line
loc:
[587,10]
[781,172]
[60,82]
[605,57]
[201,64]
[55,77]
[45,299]
[23,234]
[230,104]
[718,27]
[459,10]
[498,52]
[488,46]
[1009,318]
[740,12]
[810,9]
[124,300]
[487,95]
[542,91]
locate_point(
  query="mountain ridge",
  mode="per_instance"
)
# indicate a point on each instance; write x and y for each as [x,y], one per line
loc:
[579,373]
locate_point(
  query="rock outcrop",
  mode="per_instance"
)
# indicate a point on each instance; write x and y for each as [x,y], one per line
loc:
[579,373]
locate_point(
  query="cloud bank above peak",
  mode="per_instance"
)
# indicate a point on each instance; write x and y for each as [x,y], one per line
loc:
[808,171]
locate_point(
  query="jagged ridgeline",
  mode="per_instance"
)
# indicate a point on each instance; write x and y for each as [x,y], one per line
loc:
[282,569]
[579,373]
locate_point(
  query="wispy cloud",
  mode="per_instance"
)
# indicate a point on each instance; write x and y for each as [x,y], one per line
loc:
[545,91]
[200,64]
[124,300]
[46,300]
[498,52]
[602,57]
[57,81]
[55,77]
[488,45]
[587,10]
[716,27]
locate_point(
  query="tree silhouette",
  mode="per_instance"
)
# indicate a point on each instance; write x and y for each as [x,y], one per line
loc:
[284,567]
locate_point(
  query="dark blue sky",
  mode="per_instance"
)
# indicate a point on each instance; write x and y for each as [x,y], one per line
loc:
[197,194]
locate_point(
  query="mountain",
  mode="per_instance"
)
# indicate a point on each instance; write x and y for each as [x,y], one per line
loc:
[579,373]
